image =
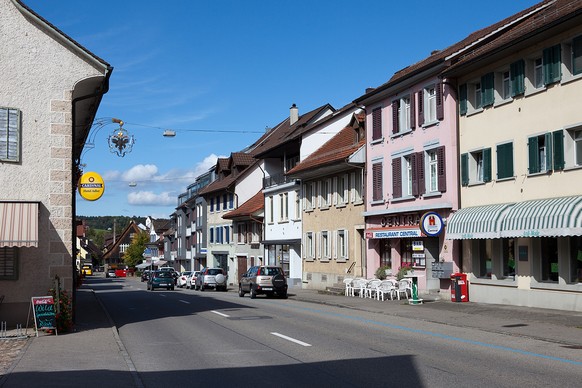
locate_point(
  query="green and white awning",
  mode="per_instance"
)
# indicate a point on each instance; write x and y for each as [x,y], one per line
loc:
[476,222]
[544,218]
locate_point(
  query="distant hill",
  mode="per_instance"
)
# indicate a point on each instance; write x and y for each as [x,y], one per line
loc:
[106,222]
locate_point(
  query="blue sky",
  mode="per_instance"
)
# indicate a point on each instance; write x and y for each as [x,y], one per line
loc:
[219,72]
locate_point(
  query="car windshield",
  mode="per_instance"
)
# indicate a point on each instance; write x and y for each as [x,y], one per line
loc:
[214,271]
[186,273]
[269,271]
[164,274]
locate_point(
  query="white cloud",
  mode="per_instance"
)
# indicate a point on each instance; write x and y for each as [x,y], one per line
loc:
[149,198]
[141,172]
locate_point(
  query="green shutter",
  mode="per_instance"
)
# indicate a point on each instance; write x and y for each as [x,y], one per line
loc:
[558,149]
[552,64]
[463,99]
[517,77]
[534,165]
[548,138]
[487,85]
[505,160]
[577,55]
[487,165]
[464,169]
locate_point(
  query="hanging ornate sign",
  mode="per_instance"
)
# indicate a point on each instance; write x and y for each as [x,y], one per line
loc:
[120,141]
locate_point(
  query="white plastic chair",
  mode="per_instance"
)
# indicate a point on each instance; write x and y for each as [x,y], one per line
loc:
[359,287]
[387,287]
[371,290]
[404,287]
[348,282]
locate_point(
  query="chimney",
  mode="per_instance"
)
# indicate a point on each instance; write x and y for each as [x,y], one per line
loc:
[293,114]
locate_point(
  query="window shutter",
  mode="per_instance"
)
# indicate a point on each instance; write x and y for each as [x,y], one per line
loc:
[487,165]
[552,64]
[346,244]
[532,144]
[440,109]
[318,246]
[487,85]
[463,99]
[441,170]
[396,178]
[421,107]
[464,169]
[412,111]
[517,77]
[420,173]
[395,106]
[505,160]
[414,172]
[558,144]
[333,246]
[377,181]
[377,124]
[549,149]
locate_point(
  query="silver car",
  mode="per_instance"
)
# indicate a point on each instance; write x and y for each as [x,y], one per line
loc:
[211,278]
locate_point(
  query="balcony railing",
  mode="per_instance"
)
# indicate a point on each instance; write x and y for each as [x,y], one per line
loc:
[277,179]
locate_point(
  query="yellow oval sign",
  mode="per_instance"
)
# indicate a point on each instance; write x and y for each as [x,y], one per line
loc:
[91,186]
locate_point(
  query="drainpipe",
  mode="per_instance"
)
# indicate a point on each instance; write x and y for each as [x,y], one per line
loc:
[74,165]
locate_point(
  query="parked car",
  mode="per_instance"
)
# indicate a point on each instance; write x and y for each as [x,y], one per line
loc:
[145,275]
[172,271]
[110,273]
[211,278]
[191,279]
[182,278]
[268,280]
[161,279]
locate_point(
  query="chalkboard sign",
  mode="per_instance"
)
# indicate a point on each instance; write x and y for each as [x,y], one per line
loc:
[43,308]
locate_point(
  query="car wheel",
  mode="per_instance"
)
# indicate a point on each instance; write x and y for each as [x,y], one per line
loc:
[253,292]
[241,293]
[283,295]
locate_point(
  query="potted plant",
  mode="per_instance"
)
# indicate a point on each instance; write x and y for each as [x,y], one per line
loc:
[403,270]
[383,271]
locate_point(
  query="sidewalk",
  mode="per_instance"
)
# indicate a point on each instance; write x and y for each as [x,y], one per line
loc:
[93,355]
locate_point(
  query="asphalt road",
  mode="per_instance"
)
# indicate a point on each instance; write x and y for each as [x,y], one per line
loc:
[192,338]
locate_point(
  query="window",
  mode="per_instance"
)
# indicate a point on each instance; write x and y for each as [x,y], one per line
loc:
[505,161]
[430,104]
[508,251]
[577,55]
[356,190]
[231,201]
[502,81]
[402,115]
[545,69]
[342,245]
[571,146]
[377,124]
[284,206]
[477,103]
[549,259]
[309,246]
[227,234]
[9,135]
[377,194]
[271,209]
[325,198]
[212,204]
[309,189]
[342,190]
[409,165]
[432,170]
[211,235]
[325,245]
[476,167]
[291,162]
[538,81]
[576,259]
[297,205]
[540,155]
[224,201]
[8,263]
[241,233]
[505,85]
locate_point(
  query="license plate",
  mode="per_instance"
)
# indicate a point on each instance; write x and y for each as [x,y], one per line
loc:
[268,288]
[163,284]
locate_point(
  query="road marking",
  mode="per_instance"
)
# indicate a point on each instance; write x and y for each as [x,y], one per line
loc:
[291,339]
[184,301]
[219,313]
[162,295]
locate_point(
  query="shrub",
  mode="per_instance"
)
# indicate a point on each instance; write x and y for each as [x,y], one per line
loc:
[381,272]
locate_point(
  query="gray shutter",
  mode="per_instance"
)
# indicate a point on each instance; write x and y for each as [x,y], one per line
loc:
[487,165]
[558,148]
[465,169]
[534,165]
[463,99]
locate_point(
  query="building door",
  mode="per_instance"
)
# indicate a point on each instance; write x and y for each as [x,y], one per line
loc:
[241,267]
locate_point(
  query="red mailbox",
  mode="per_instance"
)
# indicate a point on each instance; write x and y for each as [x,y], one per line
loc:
[459,288]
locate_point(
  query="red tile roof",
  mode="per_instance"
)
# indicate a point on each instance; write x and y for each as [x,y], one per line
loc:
[250,207]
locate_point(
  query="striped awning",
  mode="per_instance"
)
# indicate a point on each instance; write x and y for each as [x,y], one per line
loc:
[19,224]
[544,218]
[476,222]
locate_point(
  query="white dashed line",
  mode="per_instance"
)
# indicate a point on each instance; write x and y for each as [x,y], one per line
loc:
[219,313]
[291,339]
[184,301]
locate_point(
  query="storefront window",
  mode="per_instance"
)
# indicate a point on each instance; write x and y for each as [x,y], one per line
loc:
[508,246]
[406,252]
[549,259]
[385,253]
[482,251]
[576,258]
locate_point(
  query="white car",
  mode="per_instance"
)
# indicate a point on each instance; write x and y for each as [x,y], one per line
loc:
[211,278]
[181,281]
[191,279]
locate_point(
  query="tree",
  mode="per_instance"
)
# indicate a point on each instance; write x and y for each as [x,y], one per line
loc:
[134,253]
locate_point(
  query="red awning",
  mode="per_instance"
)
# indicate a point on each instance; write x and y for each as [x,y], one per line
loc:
[19,224]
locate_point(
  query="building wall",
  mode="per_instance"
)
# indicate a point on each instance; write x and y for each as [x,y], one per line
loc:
[39,77]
